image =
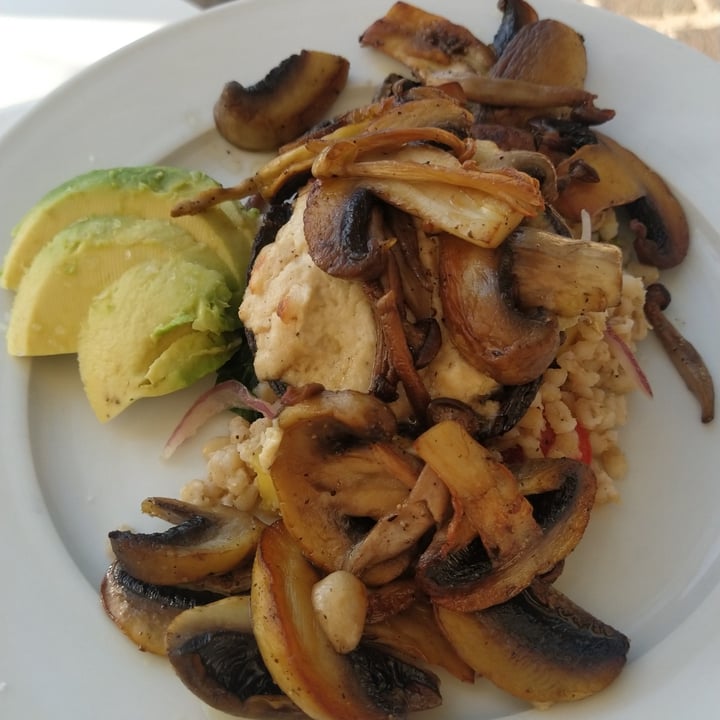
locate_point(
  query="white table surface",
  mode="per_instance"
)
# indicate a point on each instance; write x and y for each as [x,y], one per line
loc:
[45,42]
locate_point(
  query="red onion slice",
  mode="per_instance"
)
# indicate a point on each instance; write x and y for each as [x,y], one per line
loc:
[219,398]
[628,360]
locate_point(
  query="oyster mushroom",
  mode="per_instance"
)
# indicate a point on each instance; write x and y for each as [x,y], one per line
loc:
[539,646]
[621,178]
[365,682]
[516,537]
[288,101]
[214,652]
[425,42]
[144,611]
[204,542]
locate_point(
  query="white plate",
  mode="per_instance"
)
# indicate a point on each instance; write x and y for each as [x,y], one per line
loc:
[648,565]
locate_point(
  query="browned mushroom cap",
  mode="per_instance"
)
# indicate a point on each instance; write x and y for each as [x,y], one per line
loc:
[515,15]
[492,335]
[214,652]
[364,683]
[335,470]
[621,178]
[509,550]
[539,646]
[290,99]
[343,228]
[414,633]
[143,611]
[203,543]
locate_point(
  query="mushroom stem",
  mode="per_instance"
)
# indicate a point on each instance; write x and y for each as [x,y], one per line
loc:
[686,359]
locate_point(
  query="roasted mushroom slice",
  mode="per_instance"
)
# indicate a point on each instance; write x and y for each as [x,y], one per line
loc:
[426,42]
[365,683]
[213,651]
[539,646]
[621,178]
[336,473]
[205,542]
[565,276]
[509,549]
[491,334]
[288,101]
[144,611]
[414,633]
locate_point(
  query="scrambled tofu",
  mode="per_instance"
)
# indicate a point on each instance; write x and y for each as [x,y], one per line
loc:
[312,327]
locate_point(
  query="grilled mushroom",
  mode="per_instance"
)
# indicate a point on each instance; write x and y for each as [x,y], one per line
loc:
[621,178]
[144,611]
[213,651]
[516,537]
[288,101]
[491,334]
[336,473]
[365,682]
[205,542]
[539,646]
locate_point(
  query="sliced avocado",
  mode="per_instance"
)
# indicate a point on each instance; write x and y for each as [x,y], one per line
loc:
[160,327]
[146,192]
[54,294]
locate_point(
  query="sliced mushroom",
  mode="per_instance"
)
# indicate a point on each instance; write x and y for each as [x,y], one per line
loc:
[565,276]
[489,331]
[288,101]
[538,646]
[474,576]
[414,633]
[425,42]
[515,15]
[205,542]
[214,652]
[683,354]
[621,178]
[343,228]
[143,611]
[366,682]
[336,473]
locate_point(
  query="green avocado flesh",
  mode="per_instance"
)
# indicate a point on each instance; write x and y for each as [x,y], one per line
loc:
[146,192]
[81,260]
[158,328]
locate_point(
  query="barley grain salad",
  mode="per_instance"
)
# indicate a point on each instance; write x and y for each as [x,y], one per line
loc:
[423,372]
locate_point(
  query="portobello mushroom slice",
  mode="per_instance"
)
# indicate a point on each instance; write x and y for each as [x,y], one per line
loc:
[516,536]
[365,683]
[290,99]
[144,611]
[539,646]
[214,653]
[204,542]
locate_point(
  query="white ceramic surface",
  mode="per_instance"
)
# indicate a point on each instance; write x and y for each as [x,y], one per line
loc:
[649,565]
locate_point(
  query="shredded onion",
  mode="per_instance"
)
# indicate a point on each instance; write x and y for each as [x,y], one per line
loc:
[628,360]
[219,398]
